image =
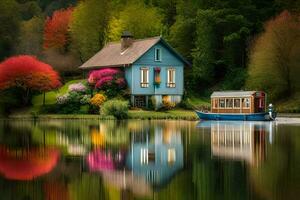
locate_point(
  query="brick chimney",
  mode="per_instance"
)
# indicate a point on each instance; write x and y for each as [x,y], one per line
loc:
[126,40]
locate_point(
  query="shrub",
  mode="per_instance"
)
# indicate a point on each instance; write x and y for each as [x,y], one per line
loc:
[62,99]
[77,87]
[69,108]
[85,99]
[74,97]
[117,108]
[110,80]
[98,99]
[50,108]
[167,104]
[186,104]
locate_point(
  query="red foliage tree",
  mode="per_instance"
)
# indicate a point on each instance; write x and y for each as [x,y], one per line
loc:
[27,74]
[56,29]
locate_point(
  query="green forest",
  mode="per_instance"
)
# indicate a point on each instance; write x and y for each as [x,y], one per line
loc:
[231,44]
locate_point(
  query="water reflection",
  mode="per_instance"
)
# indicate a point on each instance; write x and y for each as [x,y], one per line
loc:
[240,140]
[156,157]
[27,164]
[91,159]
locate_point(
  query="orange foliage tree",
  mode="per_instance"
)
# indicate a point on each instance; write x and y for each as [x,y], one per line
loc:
[29,75]
[56,29]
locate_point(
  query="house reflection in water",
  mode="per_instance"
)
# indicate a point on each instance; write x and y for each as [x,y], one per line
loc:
[156,159]
[240,140]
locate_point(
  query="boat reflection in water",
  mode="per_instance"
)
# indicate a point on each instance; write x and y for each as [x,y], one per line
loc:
[156,157]
[245,141]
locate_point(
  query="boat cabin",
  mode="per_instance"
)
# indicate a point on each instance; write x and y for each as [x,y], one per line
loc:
[238,102]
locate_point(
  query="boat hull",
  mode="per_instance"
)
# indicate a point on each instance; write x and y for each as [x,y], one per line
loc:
[235,116]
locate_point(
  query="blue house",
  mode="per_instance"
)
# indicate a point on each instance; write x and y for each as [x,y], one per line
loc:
[156,159]
[153,69]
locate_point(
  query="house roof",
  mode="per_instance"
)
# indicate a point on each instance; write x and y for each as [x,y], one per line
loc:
[111,55]
[233,94]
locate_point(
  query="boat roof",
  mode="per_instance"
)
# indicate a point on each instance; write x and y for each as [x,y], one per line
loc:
[233,94]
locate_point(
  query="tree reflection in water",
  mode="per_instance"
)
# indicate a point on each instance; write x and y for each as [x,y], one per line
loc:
[148,160]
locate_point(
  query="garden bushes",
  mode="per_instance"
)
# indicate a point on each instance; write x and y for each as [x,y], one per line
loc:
[167,104]
[117,108]
[71,102]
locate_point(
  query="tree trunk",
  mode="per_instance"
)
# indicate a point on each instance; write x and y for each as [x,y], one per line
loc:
[26,97]
[44,99]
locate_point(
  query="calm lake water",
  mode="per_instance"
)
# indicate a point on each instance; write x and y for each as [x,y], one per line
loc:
[91,160]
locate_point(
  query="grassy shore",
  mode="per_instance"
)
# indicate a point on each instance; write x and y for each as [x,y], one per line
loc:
[132,114]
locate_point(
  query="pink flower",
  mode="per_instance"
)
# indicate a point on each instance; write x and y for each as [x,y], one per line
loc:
[97,75]
[121,82]
[77,87]
[104,81]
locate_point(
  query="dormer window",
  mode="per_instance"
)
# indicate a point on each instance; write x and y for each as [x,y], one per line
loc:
[157,55]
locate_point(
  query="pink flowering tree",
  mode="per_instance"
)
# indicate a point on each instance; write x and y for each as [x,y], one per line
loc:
[110,80]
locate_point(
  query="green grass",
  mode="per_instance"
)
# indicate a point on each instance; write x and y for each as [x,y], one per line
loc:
[290,105]
[37,101]
[177,114]
[198,102]
[171,114]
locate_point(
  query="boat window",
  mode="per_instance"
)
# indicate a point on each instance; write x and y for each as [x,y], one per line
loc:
[215,103]
[229,103]
[246,103]
[222,103]
[237,103]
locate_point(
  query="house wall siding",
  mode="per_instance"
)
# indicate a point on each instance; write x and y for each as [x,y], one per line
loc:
[128,77]
[147,60]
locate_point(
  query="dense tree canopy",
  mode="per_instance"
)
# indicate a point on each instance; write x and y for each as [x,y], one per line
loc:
[215,35]
[274,61]
[88,27]
[9,20]
[31,37]
[136,18]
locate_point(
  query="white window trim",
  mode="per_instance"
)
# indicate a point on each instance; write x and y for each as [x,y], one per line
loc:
[144,84]
[237,107]
[244,105]
[226,107]
[173,83]
[160,54]
[219,103]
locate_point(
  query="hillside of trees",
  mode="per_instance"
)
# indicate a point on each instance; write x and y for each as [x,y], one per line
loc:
[228,42]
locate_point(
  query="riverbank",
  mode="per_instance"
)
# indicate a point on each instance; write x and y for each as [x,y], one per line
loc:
[188,115]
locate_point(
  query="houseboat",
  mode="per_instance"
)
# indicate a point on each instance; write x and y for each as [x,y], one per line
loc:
[238,105]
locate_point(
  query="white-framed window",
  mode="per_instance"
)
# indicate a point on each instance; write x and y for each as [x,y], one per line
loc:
[144,77]
[229,103]
[222,103]
[246,102]
[171,77]
[237,103]
[157,54]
